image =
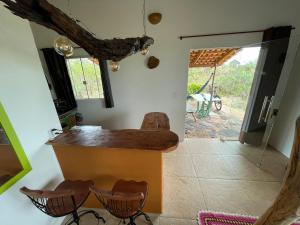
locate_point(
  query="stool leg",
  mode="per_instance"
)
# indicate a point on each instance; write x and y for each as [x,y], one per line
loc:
[147,218]
[131,221]
[75,218]
[94,213]
[98,217]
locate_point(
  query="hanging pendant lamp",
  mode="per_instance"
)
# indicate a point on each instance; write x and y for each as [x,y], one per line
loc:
[63,46]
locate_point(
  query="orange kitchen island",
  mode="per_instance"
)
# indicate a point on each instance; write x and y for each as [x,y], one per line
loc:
[105,156]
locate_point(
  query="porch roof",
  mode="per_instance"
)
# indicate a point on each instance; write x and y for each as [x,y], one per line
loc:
[211,57]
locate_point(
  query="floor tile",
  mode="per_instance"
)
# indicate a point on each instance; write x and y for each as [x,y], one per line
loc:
[243,149]
[182,148]
[229,167]
[262,193]
[274,166]
[233,148]
[204,146]
[235,196]
[139,221]
[212,166]
[174,221]
[246,170]
[268,160]
[218,176]
[178,165]
[225,196]
[183,198]
[270,152]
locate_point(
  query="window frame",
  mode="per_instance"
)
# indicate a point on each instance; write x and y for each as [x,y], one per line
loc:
[105,79]
[85,83]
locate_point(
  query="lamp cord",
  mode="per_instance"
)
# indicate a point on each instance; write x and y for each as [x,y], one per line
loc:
[144,17]
[69,9]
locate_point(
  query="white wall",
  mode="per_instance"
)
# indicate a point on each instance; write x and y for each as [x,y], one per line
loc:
[138,90]
[27,101]
[283,132]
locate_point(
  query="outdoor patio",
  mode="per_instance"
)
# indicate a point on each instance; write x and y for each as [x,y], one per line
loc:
[225,123]
[215,109]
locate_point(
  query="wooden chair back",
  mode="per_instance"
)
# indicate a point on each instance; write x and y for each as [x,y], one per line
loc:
[53,203]
[121,205]
[156,120]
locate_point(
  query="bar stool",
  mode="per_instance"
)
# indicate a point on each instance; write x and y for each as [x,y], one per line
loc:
[125,201]
[66,199]
[156,120]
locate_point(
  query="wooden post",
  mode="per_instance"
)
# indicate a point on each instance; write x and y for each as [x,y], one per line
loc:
[283,210]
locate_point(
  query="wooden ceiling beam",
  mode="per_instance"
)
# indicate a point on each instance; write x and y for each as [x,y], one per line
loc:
[198,57]
[47,15]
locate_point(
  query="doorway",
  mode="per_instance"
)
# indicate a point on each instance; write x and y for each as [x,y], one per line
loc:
[219,84]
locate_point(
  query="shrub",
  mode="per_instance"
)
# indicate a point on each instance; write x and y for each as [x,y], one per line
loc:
[193,88]
[231,79]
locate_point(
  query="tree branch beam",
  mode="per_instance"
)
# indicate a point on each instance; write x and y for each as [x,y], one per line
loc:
[47,15]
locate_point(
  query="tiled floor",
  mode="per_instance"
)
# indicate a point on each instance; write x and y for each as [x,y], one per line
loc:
[207,174]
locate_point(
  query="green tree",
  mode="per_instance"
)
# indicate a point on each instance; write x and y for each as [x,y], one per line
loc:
[232,79]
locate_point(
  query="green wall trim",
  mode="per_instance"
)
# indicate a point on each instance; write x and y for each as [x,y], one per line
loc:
[13,138]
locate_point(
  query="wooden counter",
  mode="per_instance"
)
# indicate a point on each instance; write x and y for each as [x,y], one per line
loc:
[93,136]
[106,156]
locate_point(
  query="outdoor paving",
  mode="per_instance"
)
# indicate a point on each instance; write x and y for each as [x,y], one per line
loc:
[219,124]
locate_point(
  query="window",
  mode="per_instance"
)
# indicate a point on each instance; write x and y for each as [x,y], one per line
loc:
[85,77]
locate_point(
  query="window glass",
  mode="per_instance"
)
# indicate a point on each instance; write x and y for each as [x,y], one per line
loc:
[85,76]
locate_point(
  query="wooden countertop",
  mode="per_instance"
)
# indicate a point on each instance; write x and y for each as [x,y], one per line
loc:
[93,136]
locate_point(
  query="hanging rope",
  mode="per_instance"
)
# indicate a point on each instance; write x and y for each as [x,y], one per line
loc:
[204,85]
[144,17]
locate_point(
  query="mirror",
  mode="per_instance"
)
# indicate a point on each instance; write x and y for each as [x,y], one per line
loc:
[13,161]
[10,165]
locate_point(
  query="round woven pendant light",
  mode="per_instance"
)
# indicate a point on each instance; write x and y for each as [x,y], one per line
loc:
[155,18]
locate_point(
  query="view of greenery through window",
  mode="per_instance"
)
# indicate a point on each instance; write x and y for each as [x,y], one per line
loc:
[232,80]
[85,76]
